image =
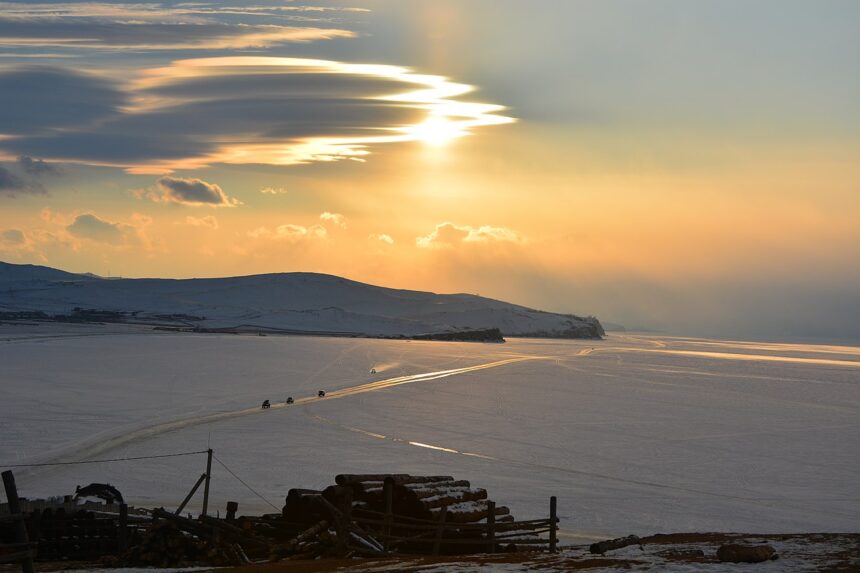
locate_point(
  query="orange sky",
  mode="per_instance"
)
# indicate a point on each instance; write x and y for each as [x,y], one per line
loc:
[449,148]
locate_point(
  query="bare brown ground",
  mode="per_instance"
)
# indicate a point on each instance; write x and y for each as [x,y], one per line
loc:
[830,552]
[836,553]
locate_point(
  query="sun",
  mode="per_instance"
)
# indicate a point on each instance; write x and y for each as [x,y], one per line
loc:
[437,131]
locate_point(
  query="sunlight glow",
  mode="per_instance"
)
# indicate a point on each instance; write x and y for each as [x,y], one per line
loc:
[436,131]
[446,118]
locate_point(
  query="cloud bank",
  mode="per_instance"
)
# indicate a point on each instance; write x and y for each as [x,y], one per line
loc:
[240,110]
[151,26]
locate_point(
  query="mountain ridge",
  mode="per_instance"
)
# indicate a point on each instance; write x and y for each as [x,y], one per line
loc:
[296,301]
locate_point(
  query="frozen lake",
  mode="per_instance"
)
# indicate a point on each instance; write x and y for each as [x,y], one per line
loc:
[634,434]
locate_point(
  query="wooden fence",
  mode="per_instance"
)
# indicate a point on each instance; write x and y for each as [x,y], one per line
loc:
[57,534]
[384,532]
[19,549]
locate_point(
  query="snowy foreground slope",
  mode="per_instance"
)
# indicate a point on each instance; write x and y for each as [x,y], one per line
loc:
[302,302]
[634,434]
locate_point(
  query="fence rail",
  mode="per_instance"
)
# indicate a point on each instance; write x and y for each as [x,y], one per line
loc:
[393,531]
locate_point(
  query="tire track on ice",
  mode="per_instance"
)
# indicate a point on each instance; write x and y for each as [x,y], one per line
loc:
[90,450]
[642,484]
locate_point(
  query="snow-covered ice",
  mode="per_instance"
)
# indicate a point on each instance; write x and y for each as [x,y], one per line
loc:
[634,434]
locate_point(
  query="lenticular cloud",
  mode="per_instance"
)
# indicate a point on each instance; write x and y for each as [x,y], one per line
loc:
[192,113]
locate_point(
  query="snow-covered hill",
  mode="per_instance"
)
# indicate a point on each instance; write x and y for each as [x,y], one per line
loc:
[306,302]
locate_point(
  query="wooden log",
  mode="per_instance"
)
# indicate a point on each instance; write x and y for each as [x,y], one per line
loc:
[406,480]
[604,546]
[553,520]
[435,484]
[530,533]
[302,506]
[437,541]
[122,532]
[491,526]
[245,537]
[431,502]
[308,533]
[311,551]
[347,479]
[243,557]
[367,543]
[471,511]
[190,495]
[389,513]
[343,521]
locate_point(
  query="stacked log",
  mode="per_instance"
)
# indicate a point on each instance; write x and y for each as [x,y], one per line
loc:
[400,506]
[470,512]
[419,497]
[303,508]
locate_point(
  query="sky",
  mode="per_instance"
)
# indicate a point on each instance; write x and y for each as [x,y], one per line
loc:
[686,167]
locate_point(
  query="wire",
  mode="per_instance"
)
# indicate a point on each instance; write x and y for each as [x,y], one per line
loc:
[252,490]
[103,461]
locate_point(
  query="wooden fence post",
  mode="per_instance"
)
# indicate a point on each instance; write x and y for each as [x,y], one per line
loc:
[347,504]
[437,543]
[232,508]
[122,533]
[208,479]
[553,525]
[345,522]
[15,509]
[491,526]
[190,495]
[388,491]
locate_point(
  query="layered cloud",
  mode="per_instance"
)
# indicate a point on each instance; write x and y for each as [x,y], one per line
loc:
[25,176]
[10,183]
[449,235]
[37,101]
[37,167]
[265,110]
[192,192]
[153,26]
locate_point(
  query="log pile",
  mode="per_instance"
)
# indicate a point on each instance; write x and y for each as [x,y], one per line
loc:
[361,515]
[176,541]
[165,545]
[418,497]
[413,514]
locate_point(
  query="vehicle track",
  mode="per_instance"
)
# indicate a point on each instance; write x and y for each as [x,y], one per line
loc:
[103,445]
